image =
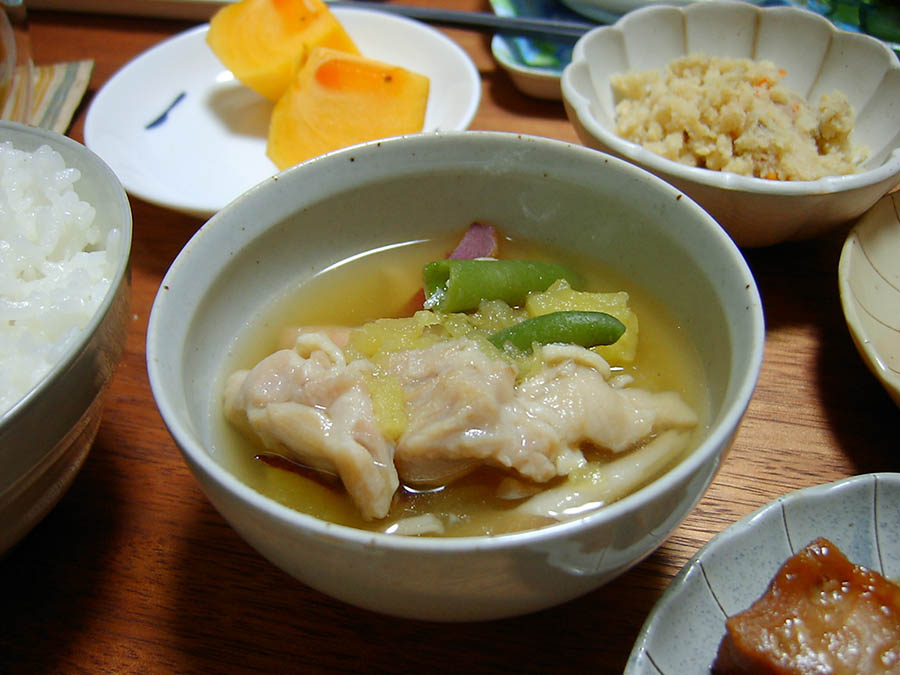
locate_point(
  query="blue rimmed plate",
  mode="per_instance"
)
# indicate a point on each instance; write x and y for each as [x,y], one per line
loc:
[860,515]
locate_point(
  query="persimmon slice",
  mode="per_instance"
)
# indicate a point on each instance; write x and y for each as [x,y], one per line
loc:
[264,42]
[340,99]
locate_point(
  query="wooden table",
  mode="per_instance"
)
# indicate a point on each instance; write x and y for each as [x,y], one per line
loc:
[134,571]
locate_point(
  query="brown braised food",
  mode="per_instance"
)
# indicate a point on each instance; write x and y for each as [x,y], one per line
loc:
[820,614]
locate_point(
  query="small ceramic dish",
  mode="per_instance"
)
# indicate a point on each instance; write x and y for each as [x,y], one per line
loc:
[818,58]
[533,65]
[195,138]
[539,82]
[869,282]
[859,515]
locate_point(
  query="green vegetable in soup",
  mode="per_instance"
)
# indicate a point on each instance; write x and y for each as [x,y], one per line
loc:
[461,285]
[586,329]
[561,298]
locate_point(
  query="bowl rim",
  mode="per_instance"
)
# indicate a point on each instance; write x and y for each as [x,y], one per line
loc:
[55,140]
[725,180]
[196,455]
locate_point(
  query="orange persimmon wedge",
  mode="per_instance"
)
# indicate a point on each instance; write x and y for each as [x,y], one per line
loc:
[264,42]
[340,99]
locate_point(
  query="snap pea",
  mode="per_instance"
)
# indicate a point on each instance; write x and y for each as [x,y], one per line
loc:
[586,329]
[461,285]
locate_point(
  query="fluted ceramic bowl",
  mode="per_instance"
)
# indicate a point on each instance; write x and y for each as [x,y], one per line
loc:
[818,59]
[312,216]
[46,435]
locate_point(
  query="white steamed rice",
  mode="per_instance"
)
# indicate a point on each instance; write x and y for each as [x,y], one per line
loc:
[56,265]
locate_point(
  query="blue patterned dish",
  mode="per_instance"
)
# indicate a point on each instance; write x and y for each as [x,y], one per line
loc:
[534,65]
[682,633]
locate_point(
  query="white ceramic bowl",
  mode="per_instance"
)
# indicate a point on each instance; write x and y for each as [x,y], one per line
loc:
[309,217]
[818,58]
[45,437]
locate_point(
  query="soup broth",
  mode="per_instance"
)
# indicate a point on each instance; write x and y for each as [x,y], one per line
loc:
[380,284]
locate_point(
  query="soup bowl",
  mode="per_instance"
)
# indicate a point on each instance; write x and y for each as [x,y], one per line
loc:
[552,194]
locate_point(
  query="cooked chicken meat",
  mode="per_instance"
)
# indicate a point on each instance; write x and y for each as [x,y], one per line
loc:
[465,409]
[309,404]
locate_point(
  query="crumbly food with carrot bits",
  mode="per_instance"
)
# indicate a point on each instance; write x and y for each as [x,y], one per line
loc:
[735,115]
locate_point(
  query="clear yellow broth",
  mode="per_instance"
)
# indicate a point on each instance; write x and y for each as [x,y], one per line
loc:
[380,284]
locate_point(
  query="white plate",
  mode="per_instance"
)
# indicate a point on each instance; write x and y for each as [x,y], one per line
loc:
[859,515]
[212,145]
[869,282]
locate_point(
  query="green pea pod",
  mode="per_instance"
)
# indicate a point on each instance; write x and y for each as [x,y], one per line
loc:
[587,329]
[461,285]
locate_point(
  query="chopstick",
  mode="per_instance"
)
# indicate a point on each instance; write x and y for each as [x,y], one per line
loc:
[479,21]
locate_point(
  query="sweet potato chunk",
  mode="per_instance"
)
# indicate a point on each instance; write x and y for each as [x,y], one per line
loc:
[264,42]
[820,614]
[339,99]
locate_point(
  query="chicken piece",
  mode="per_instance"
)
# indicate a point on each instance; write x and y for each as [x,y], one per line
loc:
[307,403]
[462,412]
[465,409]
[573,394]
[820,614]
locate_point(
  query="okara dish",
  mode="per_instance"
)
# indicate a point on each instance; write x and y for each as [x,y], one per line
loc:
[736,115]
[818,59]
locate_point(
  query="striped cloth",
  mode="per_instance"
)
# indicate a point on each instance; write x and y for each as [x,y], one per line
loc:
[56,92]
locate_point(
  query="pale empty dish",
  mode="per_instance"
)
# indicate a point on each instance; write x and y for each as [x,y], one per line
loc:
[869,281]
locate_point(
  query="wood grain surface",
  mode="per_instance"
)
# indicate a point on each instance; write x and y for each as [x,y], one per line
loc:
[134,571]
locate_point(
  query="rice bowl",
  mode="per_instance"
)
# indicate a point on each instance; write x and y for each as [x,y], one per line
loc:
[56,265]
[54,387]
